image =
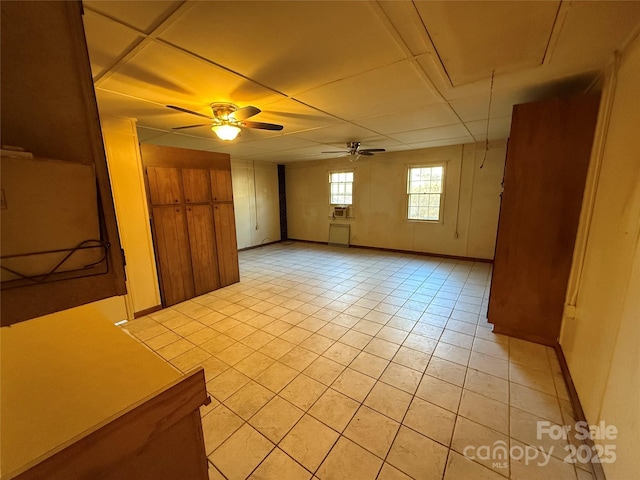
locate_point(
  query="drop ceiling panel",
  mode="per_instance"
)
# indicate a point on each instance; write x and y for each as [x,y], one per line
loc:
[443,142]
[185,141]
[337,134]
[429,134]
[288,156]
[161,74]
[289,46]
[404,17]
[475,38]
[502,102]
[141,15]
[599,27]
[147,114]
[295,116]
[104,54]
[499,128]
[146,134]
[282,143]
[423,117]
[389,89]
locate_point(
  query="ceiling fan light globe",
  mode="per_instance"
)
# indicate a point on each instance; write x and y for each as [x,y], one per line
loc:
[226,132]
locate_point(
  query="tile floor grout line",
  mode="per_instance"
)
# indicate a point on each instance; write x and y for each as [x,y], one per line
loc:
[408,281]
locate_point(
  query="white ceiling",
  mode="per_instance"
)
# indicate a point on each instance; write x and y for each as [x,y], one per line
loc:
[398,75]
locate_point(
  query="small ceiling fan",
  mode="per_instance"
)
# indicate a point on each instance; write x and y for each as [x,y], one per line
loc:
[228,119]
[356,151]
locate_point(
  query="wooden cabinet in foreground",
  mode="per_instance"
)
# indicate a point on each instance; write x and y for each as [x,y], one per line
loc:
[193,222]
[545,173]
[82,400]
[59,234]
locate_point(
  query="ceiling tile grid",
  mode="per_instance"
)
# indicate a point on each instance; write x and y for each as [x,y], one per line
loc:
[394,75]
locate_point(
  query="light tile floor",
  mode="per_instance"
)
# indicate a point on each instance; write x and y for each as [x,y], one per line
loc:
[336,363]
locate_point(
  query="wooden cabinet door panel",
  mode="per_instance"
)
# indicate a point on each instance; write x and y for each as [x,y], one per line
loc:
[196,185]
[204,258]
[164,185]
[546,168]
[221,185]
[225,227]
[172,251]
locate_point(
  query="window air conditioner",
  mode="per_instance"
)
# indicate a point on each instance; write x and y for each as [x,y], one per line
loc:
[340,212]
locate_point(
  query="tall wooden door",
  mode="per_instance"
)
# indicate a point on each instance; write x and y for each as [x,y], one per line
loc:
[226,243]
[172,251]
[204,255]
[198,185]
[546,168]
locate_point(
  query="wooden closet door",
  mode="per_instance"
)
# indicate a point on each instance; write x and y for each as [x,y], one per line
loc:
[545,174]
[204,257]
[172,252]
[221,186]
[225,227]
[164,185]
[196,185]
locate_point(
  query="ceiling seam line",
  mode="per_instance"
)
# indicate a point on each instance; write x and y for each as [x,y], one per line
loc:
[222,67]
[413,59]
[410,56]
[546,56]
[147,38]
[444,68]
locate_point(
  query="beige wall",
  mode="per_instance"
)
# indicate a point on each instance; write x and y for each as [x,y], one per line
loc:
[471,201]
[601,331]
[255,201]
[127,183]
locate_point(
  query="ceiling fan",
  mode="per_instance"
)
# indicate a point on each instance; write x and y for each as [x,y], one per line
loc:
[228,119]
[356,151]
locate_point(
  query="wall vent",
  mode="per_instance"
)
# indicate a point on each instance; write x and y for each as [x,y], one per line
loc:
[339,234]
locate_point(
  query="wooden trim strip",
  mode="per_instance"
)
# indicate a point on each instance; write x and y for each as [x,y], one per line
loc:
[147,311]
[93,451]
[395,250]
[253,247]
[596,468]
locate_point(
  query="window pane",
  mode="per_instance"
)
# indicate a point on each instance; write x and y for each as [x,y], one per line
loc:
[341,188]
[424,189]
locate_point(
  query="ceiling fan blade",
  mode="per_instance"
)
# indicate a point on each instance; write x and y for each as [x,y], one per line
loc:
[262,125]
[244,113]
[184,110]
[336,151]
[364,152]
[371,150]
[191,126]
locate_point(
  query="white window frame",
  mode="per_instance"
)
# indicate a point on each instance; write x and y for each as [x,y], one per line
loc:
[333,172]
[441,193]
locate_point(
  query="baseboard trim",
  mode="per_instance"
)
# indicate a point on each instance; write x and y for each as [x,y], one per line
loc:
[426,254]
[147,311]
[529,337]
[596,468]
[410,252]
[258,246]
